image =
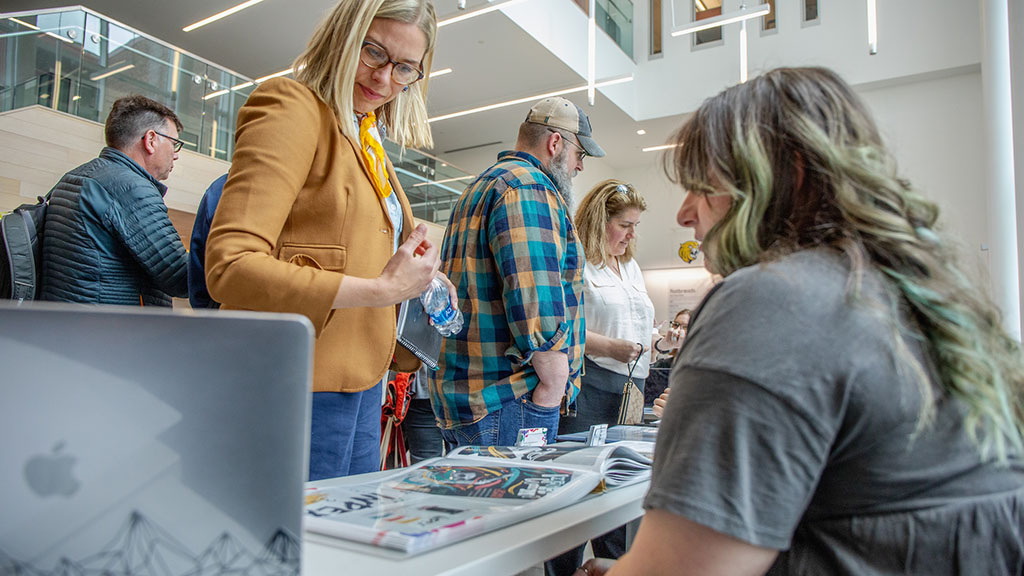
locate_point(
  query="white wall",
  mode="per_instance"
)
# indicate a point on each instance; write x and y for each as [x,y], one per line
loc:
[38,145]
[932,126]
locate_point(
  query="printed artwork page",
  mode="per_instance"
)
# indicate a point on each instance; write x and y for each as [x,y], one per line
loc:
[570,454]
[620,464]
[441,501]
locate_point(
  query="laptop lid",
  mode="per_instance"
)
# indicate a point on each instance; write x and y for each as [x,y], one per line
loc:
[152,442]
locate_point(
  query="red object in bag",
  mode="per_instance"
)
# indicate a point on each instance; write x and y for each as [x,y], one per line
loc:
[392,442]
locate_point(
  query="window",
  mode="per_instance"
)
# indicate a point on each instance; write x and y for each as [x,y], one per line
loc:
[703,9]
[810,10]
[768,20]
[655,28]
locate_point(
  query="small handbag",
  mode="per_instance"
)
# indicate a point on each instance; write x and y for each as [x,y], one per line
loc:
[631,407]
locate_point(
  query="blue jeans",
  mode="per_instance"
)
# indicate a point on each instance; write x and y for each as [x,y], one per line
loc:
[345,433]
[501,427]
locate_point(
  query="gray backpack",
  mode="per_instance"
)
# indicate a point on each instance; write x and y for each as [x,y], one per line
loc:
[21,236]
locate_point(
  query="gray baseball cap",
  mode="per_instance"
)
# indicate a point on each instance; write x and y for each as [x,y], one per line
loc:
[563,114]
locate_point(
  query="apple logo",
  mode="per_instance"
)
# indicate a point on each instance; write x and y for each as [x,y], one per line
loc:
[49,474]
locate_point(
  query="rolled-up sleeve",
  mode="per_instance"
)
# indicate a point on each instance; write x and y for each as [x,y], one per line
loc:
[528,249]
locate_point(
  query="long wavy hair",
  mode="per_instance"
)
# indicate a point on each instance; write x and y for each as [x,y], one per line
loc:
[329,63]
[805,166]
[605,201]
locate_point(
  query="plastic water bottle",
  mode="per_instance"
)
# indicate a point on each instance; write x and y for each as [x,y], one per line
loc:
[438,305]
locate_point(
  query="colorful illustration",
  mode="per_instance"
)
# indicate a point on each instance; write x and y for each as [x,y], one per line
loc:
[689,251]
[503,482]
[528,453]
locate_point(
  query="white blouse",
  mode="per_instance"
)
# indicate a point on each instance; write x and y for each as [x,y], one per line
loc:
[619,308]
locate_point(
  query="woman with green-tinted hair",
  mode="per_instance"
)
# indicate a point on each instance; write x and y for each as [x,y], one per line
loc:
[845,401]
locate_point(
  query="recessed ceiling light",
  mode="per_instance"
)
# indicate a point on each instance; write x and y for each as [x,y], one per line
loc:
[641,132]
[440,72]
[220,15]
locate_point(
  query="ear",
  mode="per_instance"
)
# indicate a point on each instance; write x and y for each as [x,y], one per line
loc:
[551,144]
[149,141]
[798,166]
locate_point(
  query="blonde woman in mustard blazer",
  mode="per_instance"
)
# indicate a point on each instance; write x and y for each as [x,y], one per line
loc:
[313,220]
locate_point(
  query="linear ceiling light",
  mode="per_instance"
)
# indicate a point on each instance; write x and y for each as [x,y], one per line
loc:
[440,72]
[110,73]
[445,181]
[220,15]
[583,88]
[274,75]
[872,28]
[656,148]
[478,12]
[716,21]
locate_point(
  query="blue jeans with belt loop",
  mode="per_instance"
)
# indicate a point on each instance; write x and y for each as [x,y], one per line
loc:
[345,433]
[501,427]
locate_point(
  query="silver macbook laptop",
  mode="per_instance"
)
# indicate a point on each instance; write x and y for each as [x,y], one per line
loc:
[161,443]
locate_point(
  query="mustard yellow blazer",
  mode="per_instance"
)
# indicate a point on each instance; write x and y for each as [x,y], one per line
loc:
[298,213]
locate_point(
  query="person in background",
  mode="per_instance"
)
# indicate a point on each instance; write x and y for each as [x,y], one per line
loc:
[656,386]
[511,250]
[198,296]
[106,237]
[847,401]
[670,344]
[422,434]
[620,319]
[312,219]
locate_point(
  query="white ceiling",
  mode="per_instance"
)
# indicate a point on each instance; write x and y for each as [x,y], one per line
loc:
[493,60]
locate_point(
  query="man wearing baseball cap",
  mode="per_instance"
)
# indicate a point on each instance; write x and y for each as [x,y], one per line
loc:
[511,251]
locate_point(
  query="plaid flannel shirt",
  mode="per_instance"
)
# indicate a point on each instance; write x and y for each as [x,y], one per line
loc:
[511,250]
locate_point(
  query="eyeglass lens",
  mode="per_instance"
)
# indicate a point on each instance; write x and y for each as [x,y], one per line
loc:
[376,57]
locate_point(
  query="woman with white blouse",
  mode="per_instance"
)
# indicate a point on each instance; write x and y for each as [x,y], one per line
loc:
[620,322]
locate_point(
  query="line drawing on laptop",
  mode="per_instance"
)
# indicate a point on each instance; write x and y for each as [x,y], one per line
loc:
[152,443]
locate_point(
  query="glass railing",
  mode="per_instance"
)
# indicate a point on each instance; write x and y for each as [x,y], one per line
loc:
[616,18]
[432,185]
[80,62]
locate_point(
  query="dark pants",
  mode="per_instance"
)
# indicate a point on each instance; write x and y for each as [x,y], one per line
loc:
[501,427]
[345,433]
[593,406]
[422,435]
[608,545]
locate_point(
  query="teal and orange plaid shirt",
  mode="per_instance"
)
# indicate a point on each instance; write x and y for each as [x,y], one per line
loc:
[511,251]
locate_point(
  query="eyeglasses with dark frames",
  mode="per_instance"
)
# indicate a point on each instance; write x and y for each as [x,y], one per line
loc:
[583,153]
[177,143]
[376,56]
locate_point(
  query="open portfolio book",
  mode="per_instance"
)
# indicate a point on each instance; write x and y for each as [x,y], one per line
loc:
[472,490]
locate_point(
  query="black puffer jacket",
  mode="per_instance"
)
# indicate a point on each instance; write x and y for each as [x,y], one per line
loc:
[107,238]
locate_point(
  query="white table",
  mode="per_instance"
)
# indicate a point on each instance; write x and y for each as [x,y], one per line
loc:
[505,551]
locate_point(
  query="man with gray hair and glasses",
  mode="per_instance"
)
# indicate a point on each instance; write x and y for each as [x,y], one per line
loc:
[107,238]
[512,252]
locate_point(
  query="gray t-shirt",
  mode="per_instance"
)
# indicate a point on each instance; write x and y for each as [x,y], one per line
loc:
[791,425]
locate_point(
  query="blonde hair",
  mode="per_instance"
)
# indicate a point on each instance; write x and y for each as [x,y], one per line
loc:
[329,63]
[605,201]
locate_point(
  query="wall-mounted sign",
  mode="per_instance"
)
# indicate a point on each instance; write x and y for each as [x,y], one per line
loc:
[689,251]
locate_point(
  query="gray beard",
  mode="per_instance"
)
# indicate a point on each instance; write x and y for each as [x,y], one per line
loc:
[559,169]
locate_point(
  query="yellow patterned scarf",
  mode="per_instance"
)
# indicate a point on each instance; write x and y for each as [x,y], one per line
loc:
[373,156]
